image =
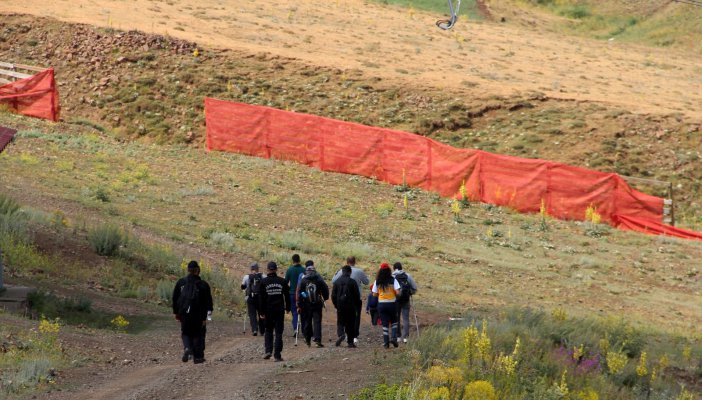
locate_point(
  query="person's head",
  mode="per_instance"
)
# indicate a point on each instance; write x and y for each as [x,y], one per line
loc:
[309,267]
[397,266]
[346,270]
[351,260]
[193,268]
[272,267]
[254,267]
[384,277]
[296,258]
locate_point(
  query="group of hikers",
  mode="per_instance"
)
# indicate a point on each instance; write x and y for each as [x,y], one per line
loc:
[302,292]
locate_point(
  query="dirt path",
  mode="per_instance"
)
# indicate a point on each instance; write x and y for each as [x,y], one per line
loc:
[404,46]
[234,368]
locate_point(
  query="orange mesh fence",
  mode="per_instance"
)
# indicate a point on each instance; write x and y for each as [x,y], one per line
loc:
[35,96]
[398,157]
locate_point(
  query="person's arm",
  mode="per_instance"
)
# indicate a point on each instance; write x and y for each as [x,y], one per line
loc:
[413,284]
[335,290]
[174,300]
[396,286]
[209,304]
[245,282]
[262,299]
[336,277]
[375,289]
[356,293]
[325,291]
[364,277]
[286,297]
[288,275]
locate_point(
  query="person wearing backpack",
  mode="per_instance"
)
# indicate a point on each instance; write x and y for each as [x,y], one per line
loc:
[346,300]
[251,284]
[192,305]
[386,289]
[312,292]
[361,279]
[292,279]
[408,287]
[274,302]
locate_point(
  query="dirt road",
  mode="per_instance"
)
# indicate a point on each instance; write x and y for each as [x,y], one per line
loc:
[404,45]
[152,369]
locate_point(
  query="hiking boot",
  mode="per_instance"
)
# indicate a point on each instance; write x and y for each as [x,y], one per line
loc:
[386,345]
[404,340]
[267,356]
[394,343]
[355,340]
[318,344]
[198,361]
[351,346]
[279,359]
[308,342]
[339,340]
[255,333]
[186,355]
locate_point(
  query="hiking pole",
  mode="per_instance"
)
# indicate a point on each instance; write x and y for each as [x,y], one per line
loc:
[246,319]
[415,316]
[297,334]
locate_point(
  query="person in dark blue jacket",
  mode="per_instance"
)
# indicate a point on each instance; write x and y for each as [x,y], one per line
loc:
[274,300]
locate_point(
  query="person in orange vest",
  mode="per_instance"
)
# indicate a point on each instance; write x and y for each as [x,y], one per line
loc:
[386,289]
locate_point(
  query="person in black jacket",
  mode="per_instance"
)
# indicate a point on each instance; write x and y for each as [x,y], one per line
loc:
[192,305]
[274,301]
[250,285]
[347,300]
[312,292]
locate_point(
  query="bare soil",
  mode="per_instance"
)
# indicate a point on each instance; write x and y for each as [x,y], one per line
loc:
[405,46]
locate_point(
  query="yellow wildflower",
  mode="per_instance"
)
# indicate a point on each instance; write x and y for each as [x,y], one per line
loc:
[642,368]
[479,390]
[616,361]
[46,326]
[440,393]
[484,343]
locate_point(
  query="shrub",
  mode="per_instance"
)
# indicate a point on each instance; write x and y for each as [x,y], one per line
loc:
[164,290]
[8,205]
[106,240]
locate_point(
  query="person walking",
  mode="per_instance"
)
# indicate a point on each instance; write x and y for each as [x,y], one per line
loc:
[361,279]
[274,302]
[386,288]
[312,292]
[346,298]
[251,284]
[372,307]
[408,287]
[192,305]
[291,278]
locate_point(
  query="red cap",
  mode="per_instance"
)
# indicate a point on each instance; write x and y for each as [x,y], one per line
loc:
[384,266]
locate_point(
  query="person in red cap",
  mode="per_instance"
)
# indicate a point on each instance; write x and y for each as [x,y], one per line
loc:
[386,288]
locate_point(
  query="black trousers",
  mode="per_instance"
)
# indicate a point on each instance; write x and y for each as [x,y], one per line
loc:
[274,323]
[347,317]
[312,323]
[340,331]
[193,335]
[257,324]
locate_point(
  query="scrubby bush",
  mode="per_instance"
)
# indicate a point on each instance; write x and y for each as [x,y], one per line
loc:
[106,240]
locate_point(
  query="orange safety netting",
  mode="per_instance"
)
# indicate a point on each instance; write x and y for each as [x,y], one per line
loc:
[35,96]
[398,157]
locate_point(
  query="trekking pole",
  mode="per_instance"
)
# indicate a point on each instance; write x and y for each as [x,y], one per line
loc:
[246,320]
[297,329]
[415,316]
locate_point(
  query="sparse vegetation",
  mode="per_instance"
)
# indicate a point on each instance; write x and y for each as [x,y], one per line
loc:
[107,240]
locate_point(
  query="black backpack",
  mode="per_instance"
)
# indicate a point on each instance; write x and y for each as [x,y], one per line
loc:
[254,284]
[188,299]
[312,295]
[405,288]
[343,299]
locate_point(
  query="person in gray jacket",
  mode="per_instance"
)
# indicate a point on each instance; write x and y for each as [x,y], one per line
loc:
[361,278]
[408,287]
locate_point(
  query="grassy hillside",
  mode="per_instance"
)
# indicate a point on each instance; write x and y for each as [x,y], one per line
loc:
[151,88]
[651,22]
